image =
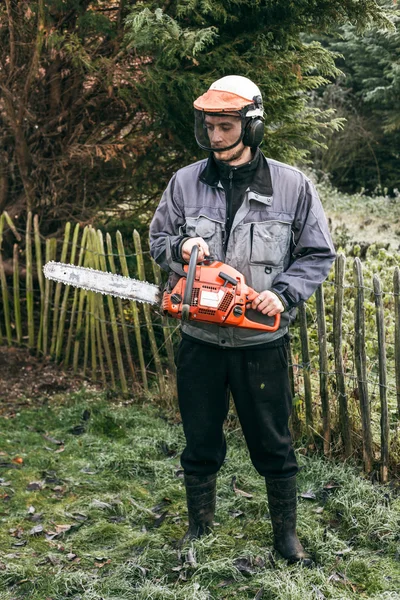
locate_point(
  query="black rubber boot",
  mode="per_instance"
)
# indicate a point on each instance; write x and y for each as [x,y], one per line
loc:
[200,498]
[282,502]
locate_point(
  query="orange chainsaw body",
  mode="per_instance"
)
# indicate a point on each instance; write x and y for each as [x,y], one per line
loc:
[219,295]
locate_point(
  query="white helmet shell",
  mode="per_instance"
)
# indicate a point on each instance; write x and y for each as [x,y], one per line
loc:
[232,92]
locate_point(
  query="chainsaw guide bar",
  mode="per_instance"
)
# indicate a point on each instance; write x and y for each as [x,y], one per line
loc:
[103,282]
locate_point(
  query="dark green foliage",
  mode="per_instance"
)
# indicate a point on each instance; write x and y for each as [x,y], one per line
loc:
[366,153]
[96,97]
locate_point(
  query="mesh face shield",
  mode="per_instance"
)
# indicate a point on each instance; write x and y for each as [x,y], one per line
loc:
[217,132]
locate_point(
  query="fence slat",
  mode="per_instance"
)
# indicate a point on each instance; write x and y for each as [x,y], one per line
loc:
[165,325]
[121,313]
[111,310]
[295,418]
[135,312]
[64,304]
[338,346]
[382,378]
[4,290]
[39,266]
[6,303]
[99,345]
[323,369]
[83,297]
[101,322]
[361,365]
[48,284]
[59,287]
[147,315]
[11,225]
[305,353]
[75,300]
[17,296]
[1,242]
[396,289]
[29,282]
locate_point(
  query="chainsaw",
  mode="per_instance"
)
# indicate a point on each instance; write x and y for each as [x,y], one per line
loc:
[208,292]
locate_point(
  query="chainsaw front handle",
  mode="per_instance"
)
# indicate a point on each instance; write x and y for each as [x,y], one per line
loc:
[191,274]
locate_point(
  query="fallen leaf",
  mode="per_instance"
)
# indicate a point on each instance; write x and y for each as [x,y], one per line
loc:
[53,440]
[236,513]
[160,520]
[63,528]
[259,562]
[77,430]
[191,558]
[318,593]
[100,504]
[343,552]
[35,485]
[225,583]
[86,415]
[244,566]
[164,502]
[100,565]
[142,570]
[238,491]
[309,495]
[16,532]
[77,516]
[37,530]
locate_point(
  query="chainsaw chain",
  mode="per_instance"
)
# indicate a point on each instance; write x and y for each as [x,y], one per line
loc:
[49,275]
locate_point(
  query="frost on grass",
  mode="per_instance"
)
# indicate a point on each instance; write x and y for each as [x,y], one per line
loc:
[112,509]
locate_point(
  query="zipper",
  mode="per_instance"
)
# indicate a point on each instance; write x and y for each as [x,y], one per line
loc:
[231,179]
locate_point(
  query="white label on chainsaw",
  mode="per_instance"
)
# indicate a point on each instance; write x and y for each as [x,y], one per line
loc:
[211,299]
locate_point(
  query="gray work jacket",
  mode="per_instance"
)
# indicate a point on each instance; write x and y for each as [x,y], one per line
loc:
[279,238]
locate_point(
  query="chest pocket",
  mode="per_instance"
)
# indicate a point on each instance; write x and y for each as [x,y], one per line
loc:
[200,227]
[269,242]
[210,231]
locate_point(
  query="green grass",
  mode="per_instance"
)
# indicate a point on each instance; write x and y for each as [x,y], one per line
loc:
[112,508]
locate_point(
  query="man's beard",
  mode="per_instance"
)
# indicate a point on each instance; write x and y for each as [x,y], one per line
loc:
[235,156]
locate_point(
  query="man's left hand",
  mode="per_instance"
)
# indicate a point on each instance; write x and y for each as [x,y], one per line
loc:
[268,303]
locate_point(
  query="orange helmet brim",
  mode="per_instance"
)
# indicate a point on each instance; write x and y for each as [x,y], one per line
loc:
[219,101]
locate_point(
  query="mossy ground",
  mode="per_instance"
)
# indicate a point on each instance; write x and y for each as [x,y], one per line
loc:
[95,508]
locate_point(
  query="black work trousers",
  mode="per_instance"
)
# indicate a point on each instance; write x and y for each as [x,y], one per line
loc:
[259,382]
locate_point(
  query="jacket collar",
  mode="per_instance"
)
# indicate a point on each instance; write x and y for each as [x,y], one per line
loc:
[261,184]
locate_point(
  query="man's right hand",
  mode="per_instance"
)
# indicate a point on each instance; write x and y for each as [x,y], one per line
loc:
[188,245]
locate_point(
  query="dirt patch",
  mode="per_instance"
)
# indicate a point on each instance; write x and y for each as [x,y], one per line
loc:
[26,380]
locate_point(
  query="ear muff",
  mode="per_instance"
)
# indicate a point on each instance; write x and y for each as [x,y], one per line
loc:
[253,133]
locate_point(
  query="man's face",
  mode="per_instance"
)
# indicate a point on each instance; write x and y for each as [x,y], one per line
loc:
[223,131]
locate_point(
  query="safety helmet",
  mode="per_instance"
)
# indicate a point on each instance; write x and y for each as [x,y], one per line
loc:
[231,96]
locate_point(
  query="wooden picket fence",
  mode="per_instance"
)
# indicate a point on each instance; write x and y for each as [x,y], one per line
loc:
[130,346]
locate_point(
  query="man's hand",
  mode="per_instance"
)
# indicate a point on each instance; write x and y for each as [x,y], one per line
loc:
[268,303]
[188,245]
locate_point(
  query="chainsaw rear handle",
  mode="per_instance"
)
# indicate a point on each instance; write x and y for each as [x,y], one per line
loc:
[191,274]
[257,316]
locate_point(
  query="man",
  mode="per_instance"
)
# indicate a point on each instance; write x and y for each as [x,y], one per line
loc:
[264,218]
